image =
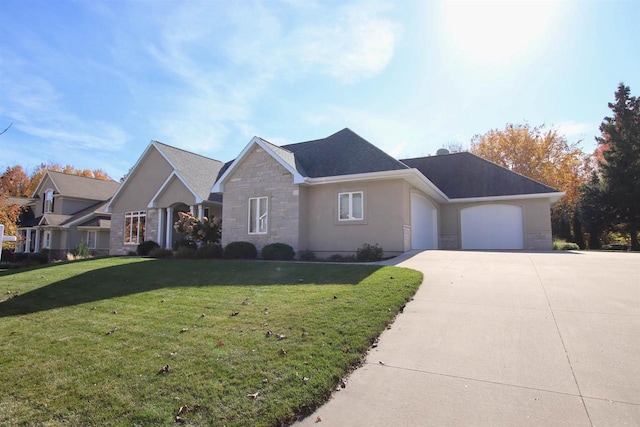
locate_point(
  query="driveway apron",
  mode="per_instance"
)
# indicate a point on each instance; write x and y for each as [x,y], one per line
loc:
[504,339]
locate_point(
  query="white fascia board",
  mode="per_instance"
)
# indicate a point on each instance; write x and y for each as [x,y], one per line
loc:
[553,198]
[413,176]
[152,202]
[218,187]
[129,175]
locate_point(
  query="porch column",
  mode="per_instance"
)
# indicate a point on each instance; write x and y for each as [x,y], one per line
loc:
[37,240]
[167,238]
[160,230]
[27,246]
[192,209]
[200,212]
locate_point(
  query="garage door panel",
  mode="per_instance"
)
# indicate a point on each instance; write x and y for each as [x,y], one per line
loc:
[492,227]
[424,223]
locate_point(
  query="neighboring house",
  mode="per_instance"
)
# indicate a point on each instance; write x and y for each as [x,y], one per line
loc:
[67,210]
[164,181]
[332,195]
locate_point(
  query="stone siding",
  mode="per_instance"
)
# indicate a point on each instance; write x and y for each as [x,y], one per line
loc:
[260,175]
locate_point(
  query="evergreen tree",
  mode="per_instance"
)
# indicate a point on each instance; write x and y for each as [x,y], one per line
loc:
[620,166]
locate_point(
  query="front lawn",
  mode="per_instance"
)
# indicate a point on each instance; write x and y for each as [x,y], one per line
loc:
[246,343]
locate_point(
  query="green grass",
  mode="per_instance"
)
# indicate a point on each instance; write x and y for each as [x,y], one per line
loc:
[58,364]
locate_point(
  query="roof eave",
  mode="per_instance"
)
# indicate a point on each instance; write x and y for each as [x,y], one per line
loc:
[553,198]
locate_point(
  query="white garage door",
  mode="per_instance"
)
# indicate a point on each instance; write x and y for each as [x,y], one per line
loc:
[424,223]
[492,227]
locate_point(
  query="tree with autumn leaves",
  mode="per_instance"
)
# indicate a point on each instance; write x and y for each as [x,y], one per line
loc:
[545,156]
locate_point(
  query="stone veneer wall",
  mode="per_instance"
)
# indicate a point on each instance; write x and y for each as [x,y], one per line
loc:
[116,236]
[260,175]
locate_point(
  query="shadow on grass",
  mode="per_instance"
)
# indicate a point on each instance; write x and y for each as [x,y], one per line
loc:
[85,284]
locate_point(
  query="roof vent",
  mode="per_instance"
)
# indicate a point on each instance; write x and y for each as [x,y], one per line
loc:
[442,152]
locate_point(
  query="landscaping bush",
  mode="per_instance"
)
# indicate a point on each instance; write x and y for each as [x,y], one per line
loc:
[209,251]
[185,252]
[306,256]
[560,245]
[81,251]
[145,248]
[369,253]
[184,243]
[336,258]
[160,253]
[8,255]
[278,252]
[240,250]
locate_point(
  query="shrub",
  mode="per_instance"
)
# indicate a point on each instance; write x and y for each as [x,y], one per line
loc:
[369,253]
[8,255]
[240,250]
[336,258]
[132,253]
[209,251]
[306,256]
[560,245]
[81,251]
[185,252]
[42,257]
[203,230]
[145,247]
[160,253]
[184,243]
[278,252]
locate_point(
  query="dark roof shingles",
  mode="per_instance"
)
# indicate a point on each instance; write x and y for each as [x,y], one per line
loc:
[465,175]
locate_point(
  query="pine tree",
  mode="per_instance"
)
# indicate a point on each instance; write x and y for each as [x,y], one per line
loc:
[620,165]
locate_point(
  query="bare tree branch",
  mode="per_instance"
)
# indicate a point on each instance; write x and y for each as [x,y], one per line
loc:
[6,129]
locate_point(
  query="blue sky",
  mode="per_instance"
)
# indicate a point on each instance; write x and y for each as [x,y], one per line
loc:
[90,83]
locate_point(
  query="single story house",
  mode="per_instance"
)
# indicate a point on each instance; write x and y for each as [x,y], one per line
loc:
[164,181]
[67,210]
[332,195]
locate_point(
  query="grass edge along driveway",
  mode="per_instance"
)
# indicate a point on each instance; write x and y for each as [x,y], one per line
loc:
[131,341]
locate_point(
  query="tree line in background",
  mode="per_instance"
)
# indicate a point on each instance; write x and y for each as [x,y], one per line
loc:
[602,189]
[16,182]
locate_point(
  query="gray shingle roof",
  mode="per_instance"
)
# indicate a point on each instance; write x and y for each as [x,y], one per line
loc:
[343,153]
[464,175]
[83,187]
[197,171]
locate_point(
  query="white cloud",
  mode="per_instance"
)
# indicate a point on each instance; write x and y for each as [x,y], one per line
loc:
[574,129]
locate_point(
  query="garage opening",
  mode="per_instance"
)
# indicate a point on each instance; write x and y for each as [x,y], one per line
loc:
[492,227]
[424,223]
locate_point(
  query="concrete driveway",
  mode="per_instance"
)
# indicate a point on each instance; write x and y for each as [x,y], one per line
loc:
[505,339]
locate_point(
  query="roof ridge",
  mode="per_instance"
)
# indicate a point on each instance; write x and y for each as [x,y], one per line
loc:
[81,176]
[186,151]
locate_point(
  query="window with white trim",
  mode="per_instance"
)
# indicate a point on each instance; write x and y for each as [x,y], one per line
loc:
[351,206]
[134,223]
[48,201]
[91,239]
[258,215]
[46,244]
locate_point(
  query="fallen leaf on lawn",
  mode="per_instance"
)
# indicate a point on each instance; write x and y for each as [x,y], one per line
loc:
[245,302]
[164,370]
[318,419]
[114,312]
[305,380]
[202,315]
[219,344]
[183,410]
[184,330]
[283,352]
[196,406]
[281,336]
[253,395]
[172,354]
[264,381]
[234,313]
[269,333]
[179,419]
[111,331]
[93,308]
[343,383]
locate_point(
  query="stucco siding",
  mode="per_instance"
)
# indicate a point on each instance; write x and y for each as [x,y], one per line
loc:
[260,175]
[384,218]
[175,192]
[142,185]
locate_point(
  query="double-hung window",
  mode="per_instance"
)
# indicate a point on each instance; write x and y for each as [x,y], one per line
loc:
[91,239]
[134,223]
[258,215]
[48,201]
[351,206]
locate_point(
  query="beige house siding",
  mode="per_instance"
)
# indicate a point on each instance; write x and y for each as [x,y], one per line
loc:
[140,188]
[260,175]
[536,222]
[383,224]
[175,192]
